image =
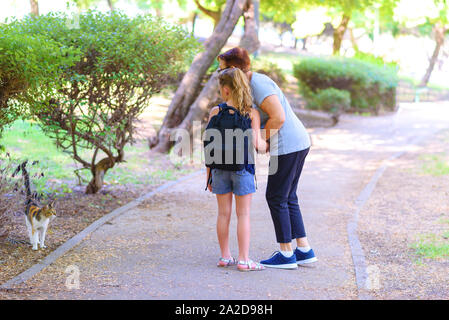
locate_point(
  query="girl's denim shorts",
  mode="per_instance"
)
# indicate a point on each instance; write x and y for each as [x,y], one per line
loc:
[239,182]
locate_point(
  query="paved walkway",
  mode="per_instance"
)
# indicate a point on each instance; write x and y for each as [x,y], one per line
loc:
[167,249]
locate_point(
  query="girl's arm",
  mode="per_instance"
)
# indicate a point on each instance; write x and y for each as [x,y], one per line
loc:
[259,142]
[212,113]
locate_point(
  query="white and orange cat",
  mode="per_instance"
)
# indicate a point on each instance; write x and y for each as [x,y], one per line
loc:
[37,218]
[37,221]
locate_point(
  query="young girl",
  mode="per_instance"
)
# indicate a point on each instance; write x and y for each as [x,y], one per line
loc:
[235,91]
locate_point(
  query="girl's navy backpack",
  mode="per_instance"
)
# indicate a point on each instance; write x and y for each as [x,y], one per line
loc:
[234,152]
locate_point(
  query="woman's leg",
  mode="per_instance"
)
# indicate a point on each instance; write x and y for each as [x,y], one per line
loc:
[224,202]
[278,190]
[298,229]
[242,208]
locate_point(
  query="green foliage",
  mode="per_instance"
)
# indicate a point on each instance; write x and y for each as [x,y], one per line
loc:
[371,87]
[280,11]
[30,66]
[157,4]
[330,100]
[373,59]
[422,14]
[270,69]
[121,63]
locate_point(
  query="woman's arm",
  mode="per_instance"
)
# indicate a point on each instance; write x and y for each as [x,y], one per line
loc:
[259,142]
[276,115]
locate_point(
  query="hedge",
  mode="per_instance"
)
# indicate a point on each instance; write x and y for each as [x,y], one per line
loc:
[371,87]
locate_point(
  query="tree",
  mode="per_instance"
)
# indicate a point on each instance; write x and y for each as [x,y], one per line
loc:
[342,11]
[34,7]
[310,22]
[122,62]
[111,4]
[185,105]
[250,38]
[282,14]
[213,10]
[426,15]
[86,4]
[29,66]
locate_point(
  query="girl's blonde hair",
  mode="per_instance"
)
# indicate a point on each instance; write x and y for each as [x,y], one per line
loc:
[237,81]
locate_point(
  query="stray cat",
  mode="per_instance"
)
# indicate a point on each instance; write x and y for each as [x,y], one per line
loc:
[36,218]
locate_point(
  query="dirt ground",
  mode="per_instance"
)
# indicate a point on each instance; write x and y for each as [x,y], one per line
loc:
[408,204]
[75,212]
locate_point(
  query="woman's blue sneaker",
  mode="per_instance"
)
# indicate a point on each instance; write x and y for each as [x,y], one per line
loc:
[278,260]
[305,257]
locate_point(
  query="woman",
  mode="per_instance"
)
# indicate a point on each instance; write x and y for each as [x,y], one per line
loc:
[289,146]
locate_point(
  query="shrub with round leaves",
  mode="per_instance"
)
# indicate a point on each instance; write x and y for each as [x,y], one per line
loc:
[122,62]
[372,87]
[330,100]
[30,65]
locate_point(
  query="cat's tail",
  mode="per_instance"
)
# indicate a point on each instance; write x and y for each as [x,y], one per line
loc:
[26,179]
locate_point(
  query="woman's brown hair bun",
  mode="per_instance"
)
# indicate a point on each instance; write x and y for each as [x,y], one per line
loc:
[236,57]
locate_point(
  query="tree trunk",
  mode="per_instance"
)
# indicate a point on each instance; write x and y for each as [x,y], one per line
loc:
[250,39]
[215,15]
[34,7]
[195,16]
[353,40]
[98,173]
[339,32]
[188,89]
[111,5]
[439,39]
[210,94]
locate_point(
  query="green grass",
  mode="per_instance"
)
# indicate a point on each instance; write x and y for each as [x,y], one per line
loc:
[25,140]
[435,164]
[432,246]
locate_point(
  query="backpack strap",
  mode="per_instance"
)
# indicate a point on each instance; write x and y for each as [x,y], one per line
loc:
[209,179]
[223,107]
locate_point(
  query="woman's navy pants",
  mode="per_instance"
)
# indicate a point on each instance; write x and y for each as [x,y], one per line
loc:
[282,199]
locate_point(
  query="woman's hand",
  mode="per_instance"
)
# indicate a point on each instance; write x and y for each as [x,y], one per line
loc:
[259,142]
[263,146]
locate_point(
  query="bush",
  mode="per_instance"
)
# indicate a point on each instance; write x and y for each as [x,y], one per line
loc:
[330,100]
[8,197]
[29,66]
[371,87]
[120,63]
[373,59]
[270,69]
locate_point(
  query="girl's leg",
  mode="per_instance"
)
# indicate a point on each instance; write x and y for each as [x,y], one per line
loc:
[224,202]
[243,206]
